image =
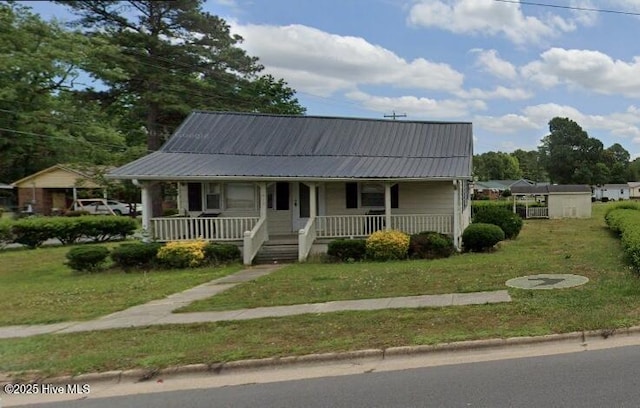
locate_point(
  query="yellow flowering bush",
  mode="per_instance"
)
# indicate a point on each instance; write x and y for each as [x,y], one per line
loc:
[182,254]
[386,245]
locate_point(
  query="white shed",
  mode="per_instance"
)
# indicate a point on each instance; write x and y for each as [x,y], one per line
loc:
[562,201]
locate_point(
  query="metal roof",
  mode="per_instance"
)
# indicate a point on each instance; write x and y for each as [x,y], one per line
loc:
[220,144]
[551,188]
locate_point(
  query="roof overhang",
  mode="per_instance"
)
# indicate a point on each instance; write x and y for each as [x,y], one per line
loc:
[143,178]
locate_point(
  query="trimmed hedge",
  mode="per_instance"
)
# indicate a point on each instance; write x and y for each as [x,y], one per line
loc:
[216,253]
[430,245]
[136,255]
[626,223]
[387,245]
[182,254]
[509,222]
[347,250]
[480,237]
[87,258]
[32,232]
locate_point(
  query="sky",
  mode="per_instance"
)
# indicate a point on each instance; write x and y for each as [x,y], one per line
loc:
[508,67]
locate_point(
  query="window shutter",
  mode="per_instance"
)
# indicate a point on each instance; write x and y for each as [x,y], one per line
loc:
[394,196]
[194,194]
[352,195]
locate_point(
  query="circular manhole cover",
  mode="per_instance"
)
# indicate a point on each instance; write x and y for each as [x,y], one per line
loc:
[547,281]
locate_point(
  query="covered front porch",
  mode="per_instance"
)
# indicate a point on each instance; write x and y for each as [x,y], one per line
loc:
[249,213]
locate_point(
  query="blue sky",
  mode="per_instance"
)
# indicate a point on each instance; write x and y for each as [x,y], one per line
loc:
[508,67]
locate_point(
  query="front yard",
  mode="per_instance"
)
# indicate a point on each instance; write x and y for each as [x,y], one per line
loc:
[610,300]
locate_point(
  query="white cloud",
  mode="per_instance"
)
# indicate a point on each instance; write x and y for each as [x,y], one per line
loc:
[487,17]
[423,108]
[314,61]
[586,69]
[489,61]
[500,92]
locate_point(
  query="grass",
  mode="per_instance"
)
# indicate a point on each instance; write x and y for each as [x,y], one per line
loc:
[36,287]
[610,300]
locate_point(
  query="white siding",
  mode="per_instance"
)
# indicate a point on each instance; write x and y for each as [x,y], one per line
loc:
[576,205]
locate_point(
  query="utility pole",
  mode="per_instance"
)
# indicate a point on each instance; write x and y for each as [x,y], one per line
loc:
[395,115]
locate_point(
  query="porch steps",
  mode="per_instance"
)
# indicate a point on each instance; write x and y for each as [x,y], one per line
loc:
[277,253]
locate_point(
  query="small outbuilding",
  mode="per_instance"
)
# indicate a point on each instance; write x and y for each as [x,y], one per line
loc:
[560,200]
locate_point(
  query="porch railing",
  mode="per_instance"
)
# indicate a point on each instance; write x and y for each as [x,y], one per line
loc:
[336,226]
[207,228]
[538,212]
[306,236]
[253,240]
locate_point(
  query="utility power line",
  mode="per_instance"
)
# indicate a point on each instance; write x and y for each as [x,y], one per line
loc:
[578,8]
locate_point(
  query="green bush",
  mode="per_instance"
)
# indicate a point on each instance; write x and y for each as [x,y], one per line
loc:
[87,258]
[626,205]
[479,237]
[105,228]
[430,245]
[76,213]
[626,222]
[216,253]
[347,250]
[6,235]
[509,222]
[32,232]
[169,212]
[387,245]
[182,254]
[135,255]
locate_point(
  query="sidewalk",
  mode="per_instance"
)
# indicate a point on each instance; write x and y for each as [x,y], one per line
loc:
[160,311]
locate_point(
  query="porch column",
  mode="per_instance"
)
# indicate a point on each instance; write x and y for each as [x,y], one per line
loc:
[456,215]
[263,199]
[313,211]
[387,206]
[514,203]
[75,197]
[146,211]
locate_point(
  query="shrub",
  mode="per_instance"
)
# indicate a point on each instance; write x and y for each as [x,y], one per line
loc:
[76,213]
[387,245]
[32,232]
[221,253]
[87,258]
[626,222]
[6,235]
[509,222]
[182,254]
[104,228]
[430,245]
[135,255]
[347,250]
[481,237]
[169,212]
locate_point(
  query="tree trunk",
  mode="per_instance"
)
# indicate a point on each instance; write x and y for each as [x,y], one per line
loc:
[154,142]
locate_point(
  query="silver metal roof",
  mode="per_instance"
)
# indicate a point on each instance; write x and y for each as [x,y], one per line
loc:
[551,188]
[217,144]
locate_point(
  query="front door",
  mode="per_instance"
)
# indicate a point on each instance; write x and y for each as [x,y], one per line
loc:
[301,205]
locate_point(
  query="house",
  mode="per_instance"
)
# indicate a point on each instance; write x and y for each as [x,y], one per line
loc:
[6,197]
[493,189]
[55,188]
[634,190]
[259,179]
[611,192]
[562,200]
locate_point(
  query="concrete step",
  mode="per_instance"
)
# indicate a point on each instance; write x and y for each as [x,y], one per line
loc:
[270,253]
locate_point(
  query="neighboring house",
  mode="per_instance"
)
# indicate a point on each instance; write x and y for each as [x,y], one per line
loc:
[493,189]
[611,192]
[256,179]
[55,188]
[634,190]
[562,200]
[6,197]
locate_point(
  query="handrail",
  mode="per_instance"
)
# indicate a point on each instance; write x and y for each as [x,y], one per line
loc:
[253,240]
[306,237]
[208,228]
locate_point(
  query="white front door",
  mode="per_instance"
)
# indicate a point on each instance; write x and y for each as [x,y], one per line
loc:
[300,204]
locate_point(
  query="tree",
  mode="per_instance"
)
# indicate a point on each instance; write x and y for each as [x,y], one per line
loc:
[568,154]
[496,166]
[40,121]
[176,58]
[617,159]
[530,165]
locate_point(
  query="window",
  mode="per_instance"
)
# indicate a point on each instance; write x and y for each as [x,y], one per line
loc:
[212,196]
[371,195]
[240,196]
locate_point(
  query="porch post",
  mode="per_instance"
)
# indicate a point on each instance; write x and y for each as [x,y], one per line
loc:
[146,211]
[387,206]
[263,199]
[456,215]
[514,203]
[313,211]
[75,197]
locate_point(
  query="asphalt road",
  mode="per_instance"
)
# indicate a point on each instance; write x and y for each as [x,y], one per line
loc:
[601,378]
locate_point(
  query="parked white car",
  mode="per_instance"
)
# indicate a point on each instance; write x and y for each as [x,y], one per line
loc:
[118,207]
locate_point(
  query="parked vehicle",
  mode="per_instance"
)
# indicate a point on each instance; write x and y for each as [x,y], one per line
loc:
[105,206]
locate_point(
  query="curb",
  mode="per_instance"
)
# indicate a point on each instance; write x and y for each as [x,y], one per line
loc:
[141,375]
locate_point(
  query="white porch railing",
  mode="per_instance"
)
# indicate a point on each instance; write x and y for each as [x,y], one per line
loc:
[207,228]
[414,223]
[537,212]
[336,226]
[253,240]
[306,236]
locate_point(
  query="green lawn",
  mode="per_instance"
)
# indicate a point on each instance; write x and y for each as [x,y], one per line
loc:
[610,300]
[36,287]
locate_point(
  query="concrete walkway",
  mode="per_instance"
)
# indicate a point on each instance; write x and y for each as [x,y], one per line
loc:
[160,311]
